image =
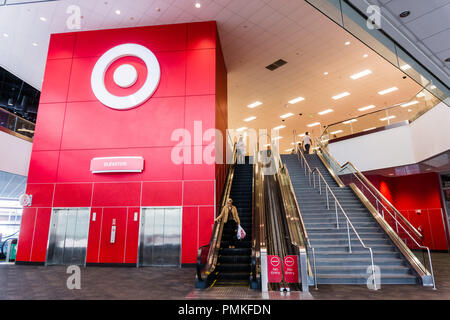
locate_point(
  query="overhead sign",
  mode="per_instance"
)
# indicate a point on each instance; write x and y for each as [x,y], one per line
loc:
[274,273]
[117,164]
[290,266]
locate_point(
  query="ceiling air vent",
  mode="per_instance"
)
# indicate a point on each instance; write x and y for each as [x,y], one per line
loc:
[276,65]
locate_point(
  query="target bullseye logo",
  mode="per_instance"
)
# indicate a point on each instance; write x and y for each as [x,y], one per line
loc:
[289,261]
[125,76]
[275,261]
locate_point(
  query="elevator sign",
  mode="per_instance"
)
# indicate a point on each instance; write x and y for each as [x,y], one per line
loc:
[117,164]
[274,273]
[290,269]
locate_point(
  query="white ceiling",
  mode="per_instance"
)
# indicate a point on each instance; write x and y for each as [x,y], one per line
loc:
[254,33]
[427,26]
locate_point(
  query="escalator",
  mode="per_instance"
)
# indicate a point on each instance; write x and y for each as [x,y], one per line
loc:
[234,264]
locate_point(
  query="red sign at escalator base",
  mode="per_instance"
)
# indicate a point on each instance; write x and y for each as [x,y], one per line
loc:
[274,273]
[290,265]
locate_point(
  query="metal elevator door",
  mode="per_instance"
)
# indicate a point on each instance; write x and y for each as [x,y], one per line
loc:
[67,242]
[160,237]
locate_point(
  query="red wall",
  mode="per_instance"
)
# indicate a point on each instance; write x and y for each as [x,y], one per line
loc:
[73,127]
[417,192]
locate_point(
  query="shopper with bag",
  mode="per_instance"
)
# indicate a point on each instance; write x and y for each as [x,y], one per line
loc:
[231,220]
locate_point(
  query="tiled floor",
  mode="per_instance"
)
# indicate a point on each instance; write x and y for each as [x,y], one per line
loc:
[30,282]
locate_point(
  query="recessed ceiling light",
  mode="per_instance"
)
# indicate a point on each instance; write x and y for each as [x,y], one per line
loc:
[118,12]
[341,95]
[409,104]
[287,115]
[404,14]
[279,127]
[365,56]
[367,108]
[43,19]
[349,121]
[249,119]
[388,118]
[198,5]
[361,74]
[405,67]
[277,138]
[325,73]
[421,94]
[383,92]
[254,104]
[35,44]
[301,135]
[368,129]
[338,131]
[6,35]
[241,129]
[313,124]
[325,112]
[294,101]
[347,43]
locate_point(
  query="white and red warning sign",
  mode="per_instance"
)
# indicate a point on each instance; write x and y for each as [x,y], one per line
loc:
[274,272]
[290,269]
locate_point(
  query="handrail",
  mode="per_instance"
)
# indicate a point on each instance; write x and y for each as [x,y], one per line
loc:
[302,225]
[370,187]
[337,204]
[216,235]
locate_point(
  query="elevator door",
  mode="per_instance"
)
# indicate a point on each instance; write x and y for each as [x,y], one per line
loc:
[160,237]
[67,243]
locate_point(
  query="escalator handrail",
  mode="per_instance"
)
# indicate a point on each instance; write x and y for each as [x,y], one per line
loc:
[216,236]
[256,222]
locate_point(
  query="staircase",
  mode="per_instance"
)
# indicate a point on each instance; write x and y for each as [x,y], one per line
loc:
[234,265]
[335,265]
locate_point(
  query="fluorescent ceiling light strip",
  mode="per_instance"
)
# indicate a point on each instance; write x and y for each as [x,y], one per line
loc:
[349,121]
[383,92]
[336,132]
[388,118]
[405,67]
[366,108]
[287,115]
[314,124]
[293,101]
[241,129]
[341,95]
[409,104]
[361,74]
[277,138]
[279,127]
[255,104]
[325,111]
[249,119]
[368,129]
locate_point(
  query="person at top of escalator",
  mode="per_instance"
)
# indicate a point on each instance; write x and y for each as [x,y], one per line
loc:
[307,142]
[231,220]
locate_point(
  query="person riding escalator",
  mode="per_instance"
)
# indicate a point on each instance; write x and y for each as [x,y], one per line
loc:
[231,220]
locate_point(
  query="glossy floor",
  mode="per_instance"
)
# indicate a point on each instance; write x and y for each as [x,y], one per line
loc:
[31,282]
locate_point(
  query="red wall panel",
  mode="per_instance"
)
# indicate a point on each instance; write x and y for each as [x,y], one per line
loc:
[113,252]
[206,223]
[40,238]
[201,35]
[198,193]
[26,234]
[95,227]
[116,194]
[49,125]
[42,194]
[61,46]
[73,195]
[199,78]
[43,167]
[132,237]
[190,235]
[162,194]
[56,81]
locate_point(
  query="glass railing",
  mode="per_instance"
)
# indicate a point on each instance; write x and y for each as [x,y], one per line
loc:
[16,125]
[405,112]
[351,20]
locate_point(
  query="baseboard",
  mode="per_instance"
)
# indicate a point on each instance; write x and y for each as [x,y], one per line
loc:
[114,265]
[189,265]
[29,263]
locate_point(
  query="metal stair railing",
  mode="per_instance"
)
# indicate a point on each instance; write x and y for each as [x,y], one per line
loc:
[386,207]
[309,172]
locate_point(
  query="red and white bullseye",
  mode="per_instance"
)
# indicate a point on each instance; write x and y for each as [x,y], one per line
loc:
[125,76]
